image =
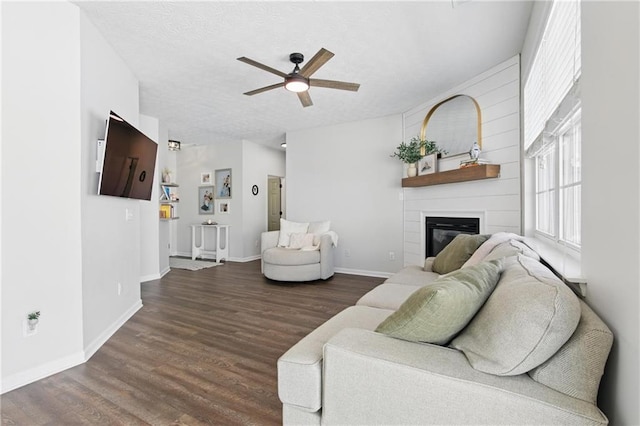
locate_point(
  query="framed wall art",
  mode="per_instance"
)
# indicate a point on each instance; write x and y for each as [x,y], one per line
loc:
[223,183]
[428,164]
[205,178]
[224,207]
[205,199]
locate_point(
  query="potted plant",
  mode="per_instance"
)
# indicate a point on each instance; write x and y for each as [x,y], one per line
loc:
[409,153]
[32,319]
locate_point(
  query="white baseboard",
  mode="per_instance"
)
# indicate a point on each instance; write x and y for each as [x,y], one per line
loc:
[164,271]
[212,257]
[93,347]
[47,369]
[53,367]
[376,274]
[150,277]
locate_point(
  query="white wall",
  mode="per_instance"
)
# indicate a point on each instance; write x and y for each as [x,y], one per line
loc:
[497,91]
[166,229]
[149,216]
[191,162]
[344,173]
[41,174]
[258,162]
[251,164]
[610,197]
[110,243]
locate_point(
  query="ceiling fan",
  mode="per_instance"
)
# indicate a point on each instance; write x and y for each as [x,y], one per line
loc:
[299,80]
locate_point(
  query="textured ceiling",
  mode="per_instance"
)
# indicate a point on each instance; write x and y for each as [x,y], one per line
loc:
[402,54]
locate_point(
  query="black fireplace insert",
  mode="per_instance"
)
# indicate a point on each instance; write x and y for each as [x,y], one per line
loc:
[441,230]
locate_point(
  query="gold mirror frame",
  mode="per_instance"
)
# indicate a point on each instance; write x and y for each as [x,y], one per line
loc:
[423,129]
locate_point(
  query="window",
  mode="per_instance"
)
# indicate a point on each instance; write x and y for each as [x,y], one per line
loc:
[558,184]
[552,126]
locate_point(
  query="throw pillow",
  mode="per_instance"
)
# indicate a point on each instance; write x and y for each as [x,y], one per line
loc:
[527,318]
[287,228]
[300,240]
[457,252]
[437,312]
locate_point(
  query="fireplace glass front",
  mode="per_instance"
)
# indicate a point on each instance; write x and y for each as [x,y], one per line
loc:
[441,230]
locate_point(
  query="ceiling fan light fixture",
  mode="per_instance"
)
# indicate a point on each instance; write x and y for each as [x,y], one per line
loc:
[296,83]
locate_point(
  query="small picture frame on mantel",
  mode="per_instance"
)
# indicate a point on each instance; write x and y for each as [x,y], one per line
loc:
[428,164]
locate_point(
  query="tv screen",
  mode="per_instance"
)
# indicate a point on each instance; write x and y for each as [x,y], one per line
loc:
[129,161]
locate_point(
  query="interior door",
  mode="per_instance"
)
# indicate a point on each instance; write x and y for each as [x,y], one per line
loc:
[274,204]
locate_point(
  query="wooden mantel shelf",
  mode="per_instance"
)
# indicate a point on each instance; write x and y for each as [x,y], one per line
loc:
[484,171]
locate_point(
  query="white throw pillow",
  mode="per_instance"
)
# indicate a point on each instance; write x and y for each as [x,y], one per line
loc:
[287,228]
[300,240]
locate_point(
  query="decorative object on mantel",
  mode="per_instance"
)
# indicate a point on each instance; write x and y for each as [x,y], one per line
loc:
[412,152]
[474,160]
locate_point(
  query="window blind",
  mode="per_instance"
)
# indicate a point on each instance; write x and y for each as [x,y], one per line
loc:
[555,68]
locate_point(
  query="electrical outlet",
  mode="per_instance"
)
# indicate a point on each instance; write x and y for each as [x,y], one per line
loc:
[392,255]
[119,286]
[347,253]
[128,215]
[256,243]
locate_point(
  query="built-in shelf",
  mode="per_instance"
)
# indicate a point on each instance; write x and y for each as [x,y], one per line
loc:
[484,171]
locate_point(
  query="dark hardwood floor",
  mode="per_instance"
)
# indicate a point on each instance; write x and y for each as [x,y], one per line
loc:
[202,350]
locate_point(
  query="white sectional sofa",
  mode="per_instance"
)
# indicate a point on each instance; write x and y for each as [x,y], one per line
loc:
[534,353]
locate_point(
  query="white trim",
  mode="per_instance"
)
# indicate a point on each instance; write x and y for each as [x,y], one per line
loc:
[93,347]
[151,277]
[40,372]
[376,274]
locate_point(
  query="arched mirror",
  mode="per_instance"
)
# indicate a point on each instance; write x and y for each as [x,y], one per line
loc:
[454,124]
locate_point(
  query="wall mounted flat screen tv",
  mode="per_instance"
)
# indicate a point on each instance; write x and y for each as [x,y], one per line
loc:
[129,161]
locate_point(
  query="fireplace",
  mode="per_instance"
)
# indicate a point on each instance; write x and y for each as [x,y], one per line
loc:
[439,231]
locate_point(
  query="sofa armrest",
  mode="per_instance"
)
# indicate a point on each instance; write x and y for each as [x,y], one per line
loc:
[372,378]
[326,256]
[428,264]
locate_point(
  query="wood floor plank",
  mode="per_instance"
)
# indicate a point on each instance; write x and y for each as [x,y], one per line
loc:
[201,351]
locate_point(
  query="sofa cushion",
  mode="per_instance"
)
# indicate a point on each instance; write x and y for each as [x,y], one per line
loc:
[437,312]
[412,275]
[511,248]
[576,369]
[300,368]
[287,228]
[457,252]
[387,296]
[527,318]
[290,257]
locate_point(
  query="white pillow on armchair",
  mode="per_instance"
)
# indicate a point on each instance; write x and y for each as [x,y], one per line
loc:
[287,228]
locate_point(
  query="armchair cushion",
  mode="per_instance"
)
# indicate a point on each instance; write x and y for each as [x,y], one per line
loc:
[287,228]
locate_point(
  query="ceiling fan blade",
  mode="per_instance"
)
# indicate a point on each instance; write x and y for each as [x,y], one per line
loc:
[316,62]
[264,89]
[305,99]
[262,67]
[333,84]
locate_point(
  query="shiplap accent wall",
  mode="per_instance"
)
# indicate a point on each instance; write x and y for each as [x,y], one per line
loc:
[496,201]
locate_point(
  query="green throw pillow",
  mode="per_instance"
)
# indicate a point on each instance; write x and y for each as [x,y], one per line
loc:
[457,252]
[437,312]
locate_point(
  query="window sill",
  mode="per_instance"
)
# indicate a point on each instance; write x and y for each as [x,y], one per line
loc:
[563,263]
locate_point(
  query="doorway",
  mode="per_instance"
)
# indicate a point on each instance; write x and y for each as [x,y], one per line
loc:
[275,202]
